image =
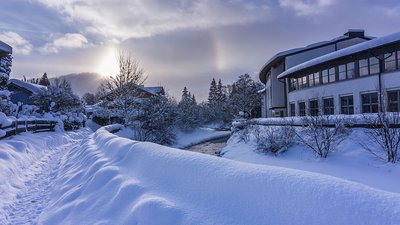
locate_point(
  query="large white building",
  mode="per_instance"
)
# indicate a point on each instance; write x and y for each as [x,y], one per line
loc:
[350,74]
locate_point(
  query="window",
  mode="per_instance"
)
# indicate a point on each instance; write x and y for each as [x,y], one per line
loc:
[369,103]
[328,106]
[316,78]
[304,81]
[302,108]
[314,107]
[346,105]
[393,101]
[398,59]
[332,75]
[300,83]
[373,65]
[292,109]
[311,80]
[293,84]
[342,72]
[363,65]
[325,78]
[390,61]
[350,70]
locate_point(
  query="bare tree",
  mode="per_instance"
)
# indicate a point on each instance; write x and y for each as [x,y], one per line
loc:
[274,139]
[383,136]
[322,133]
[122,91]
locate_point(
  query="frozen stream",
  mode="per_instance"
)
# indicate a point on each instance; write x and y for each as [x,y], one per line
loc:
[209,147]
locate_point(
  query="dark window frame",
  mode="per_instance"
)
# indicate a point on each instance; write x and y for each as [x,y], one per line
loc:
[347,104]
[368,103]
[328,105]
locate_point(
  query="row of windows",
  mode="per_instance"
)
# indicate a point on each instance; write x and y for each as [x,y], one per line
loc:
[369,104]
[351,70]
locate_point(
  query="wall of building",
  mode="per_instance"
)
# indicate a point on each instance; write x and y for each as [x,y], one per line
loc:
[355,87]
[296,59]
[348,43]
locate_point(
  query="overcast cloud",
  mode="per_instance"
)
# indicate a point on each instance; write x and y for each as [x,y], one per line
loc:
[178,42]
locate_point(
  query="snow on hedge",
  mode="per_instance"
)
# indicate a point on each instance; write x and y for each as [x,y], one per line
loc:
[113,180]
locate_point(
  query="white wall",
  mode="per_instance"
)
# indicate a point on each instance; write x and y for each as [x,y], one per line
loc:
[354,87]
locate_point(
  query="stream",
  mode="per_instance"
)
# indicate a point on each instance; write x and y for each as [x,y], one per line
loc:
[212,147]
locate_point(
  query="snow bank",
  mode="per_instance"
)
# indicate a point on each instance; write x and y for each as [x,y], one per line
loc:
[113,180]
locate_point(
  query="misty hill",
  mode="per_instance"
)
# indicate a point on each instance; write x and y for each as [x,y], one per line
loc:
[83,82]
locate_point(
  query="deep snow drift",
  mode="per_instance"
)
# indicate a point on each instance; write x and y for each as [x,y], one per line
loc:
[113,180]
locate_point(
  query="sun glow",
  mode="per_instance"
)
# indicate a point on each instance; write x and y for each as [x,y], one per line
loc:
[108,63]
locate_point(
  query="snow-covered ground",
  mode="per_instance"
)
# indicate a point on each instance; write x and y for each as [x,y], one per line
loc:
[350,161]
[100,178]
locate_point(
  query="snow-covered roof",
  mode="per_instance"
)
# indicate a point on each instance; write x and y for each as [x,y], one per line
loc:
[5,47]
[34,88]
[361,47]
[155,90]
[283,54]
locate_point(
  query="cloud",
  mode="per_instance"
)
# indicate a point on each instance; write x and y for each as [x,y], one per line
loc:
[306,7]
[68,40]
[19,44]
[124,19]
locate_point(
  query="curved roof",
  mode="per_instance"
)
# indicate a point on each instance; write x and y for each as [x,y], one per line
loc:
[5,47]
[281,55]
[361,47]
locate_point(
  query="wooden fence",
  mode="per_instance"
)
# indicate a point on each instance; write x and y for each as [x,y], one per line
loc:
[20,126]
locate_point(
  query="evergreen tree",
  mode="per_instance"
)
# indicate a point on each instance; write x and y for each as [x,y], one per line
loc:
[244,96]
[44,80]
[188,117]
[212,95]
[5,69]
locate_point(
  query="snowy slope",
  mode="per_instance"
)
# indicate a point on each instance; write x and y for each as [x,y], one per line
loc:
[112,180]
[100,178]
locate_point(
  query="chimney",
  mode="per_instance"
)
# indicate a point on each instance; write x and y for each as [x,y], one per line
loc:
[353,33]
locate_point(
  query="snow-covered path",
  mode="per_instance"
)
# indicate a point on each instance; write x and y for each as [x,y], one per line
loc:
[40,178]
[37,179]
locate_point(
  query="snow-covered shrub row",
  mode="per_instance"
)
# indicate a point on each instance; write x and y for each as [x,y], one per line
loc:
[118,181]
[273,139]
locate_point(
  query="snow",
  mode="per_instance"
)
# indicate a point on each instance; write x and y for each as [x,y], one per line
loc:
[197,136]
[155,90]
[101,178]
[34,88]
[350,161]
[5,120]
[364,46]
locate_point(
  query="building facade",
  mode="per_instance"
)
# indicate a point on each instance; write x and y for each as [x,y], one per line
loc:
[347,75]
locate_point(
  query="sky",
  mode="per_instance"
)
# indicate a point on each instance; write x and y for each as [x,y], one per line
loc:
[177,42]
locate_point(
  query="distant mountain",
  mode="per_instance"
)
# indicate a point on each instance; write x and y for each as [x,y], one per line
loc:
[83,82]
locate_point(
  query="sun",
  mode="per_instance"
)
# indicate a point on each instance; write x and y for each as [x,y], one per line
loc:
[108,63]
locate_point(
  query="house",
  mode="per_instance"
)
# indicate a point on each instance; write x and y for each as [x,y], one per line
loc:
[363,78]
[21,91]
[140,92]
[275,94]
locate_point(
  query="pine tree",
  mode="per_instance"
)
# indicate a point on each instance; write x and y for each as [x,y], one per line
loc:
[188,113]
[44,80]
[244,97]
[212,95]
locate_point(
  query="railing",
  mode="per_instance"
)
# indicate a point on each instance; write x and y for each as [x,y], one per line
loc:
[20,126]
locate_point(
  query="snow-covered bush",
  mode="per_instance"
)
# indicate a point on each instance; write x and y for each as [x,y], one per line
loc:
[5,69]
[6,106]
[60,101]
[273,139]
[157,120]
[384,136]
[322,133]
